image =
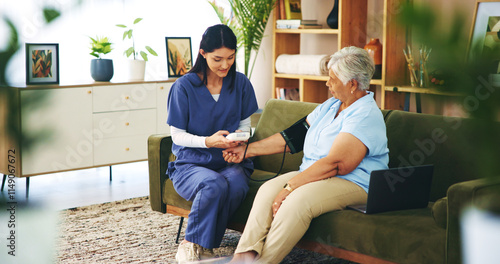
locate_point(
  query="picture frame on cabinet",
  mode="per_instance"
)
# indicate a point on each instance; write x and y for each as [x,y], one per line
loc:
[179,55]
[485,31]
[42,63]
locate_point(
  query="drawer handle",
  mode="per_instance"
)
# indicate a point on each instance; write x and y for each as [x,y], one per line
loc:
[127,124]
[126,97]
[161,88]
[89,92]
[127,149]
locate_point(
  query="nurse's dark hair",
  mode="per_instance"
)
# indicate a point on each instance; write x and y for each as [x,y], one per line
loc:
[216,37]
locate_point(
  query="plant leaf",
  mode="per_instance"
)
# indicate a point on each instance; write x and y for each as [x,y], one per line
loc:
[252,17]
[125,34]
[50,14]
[144,55]
[130,34]
[137,20]
[129,52]
[121,25]
[151,51]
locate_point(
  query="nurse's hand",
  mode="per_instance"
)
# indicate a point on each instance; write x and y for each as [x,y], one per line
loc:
[218,140]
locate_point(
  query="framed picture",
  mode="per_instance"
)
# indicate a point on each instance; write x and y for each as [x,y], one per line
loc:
[179,55]
[485,33]
[293,9]
[42,63]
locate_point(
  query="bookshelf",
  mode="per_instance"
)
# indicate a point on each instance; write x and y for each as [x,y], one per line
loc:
[351,31]
[394,85]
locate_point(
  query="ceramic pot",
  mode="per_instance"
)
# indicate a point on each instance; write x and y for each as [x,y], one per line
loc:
[480,230]
[374,48]
[101,70]
[136,70]
[333,18]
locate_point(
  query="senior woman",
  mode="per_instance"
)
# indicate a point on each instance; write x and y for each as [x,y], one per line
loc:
[345,142]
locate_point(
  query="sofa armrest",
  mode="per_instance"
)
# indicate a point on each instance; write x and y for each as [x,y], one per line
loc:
[159,150]
[460,196]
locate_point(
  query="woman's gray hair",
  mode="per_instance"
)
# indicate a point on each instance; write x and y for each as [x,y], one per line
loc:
[353,63]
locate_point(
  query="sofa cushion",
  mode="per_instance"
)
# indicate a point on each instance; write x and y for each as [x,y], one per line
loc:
[407,236]
[440,212]
[171,197]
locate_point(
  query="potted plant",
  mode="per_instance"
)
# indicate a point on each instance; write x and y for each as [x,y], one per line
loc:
[101,69]
[137,67]
[248,24]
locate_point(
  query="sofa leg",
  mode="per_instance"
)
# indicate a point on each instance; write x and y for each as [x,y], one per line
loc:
[179,231]
[3,181]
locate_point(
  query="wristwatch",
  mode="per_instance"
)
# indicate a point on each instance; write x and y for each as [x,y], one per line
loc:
[287,187]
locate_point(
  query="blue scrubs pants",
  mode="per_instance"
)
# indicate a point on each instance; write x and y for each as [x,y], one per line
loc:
[215,195]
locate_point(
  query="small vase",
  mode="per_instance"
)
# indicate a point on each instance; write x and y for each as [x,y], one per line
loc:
[101,70]
[333,18]
[374,48]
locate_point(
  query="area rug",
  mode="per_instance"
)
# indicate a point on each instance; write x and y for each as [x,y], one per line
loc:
[129,231]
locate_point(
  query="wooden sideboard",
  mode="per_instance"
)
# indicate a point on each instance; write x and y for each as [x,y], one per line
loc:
[62,128]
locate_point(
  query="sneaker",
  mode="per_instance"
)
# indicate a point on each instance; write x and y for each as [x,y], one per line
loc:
[188,252]
[206,253]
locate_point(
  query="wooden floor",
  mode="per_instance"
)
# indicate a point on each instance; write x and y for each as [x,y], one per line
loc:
[84,187]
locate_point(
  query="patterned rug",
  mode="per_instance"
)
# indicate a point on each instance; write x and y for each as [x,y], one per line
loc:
[129,231]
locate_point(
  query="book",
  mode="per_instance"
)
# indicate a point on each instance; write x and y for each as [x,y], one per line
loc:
[288,23]
[293,9]
[287,93]
[296,23]
[309,22]
[310,26]
[282,13]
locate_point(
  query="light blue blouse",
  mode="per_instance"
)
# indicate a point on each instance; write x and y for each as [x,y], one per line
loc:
[363,119]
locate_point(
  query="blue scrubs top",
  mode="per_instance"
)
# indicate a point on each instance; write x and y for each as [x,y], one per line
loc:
[191,107]
[364,120]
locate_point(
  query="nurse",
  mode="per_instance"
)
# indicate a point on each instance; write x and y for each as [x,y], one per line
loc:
[209,102]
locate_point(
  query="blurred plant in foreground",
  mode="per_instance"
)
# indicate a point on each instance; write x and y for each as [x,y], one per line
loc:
[465,76]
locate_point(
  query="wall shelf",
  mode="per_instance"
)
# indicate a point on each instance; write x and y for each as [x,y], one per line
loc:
[308,31]
[418,90]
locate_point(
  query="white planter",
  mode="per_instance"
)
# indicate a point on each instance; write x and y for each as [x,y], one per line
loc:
[480,236]
[136,70]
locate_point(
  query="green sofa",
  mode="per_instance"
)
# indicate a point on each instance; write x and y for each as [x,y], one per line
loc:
[429,235]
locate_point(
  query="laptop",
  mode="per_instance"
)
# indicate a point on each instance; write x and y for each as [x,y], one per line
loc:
[397,189]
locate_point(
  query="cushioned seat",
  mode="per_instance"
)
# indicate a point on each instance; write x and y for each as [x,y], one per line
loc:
[408,236]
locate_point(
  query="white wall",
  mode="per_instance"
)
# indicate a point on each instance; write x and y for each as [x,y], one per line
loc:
[161,18]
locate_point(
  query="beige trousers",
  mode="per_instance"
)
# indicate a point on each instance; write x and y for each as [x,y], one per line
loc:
[273,238]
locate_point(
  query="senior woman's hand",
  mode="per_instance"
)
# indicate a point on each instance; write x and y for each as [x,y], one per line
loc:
[235,154]
[279,200]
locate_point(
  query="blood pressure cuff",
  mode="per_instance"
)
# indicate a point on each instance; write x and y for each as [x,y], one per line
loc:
[295,135]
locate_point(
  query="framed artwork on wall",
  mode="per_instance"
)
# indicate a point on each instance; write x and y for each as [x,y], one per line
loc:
[485,32]
[42,63]
[179,55]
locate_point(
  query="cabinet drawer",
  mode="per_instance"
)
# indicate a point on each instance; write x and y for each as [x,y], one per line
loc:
[120,150]
[124,123]
[124,97]
[161,104]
